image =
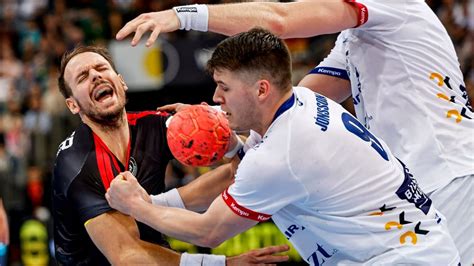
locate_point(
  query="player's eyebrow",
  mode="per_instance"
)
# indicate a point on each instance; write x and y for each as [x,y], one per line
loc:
[86,69]
[220,82]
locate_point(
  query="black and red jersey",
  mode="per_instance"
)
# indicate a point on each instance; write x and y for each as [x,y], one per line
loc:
[83,171]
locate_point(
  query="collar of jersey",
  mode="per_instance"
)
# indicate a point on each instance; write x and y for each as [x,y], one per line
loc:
[285,106]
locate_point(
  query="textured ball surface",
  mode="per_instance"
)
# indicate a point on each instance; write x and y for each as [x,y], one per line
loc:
[198,135]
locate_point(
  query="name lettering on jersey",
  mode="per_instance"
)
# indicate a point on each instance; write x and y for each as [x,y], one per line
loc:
[320,255]
[411,192]
[322,112]
[291,230]
[456,114]
[67,143]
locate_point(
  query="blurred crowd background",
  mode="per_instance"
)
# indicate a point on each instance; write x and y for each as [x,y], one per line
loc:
[34,119]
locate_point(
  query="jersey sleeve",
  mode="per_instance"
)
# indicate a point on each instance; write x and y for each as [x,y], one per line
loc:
[334,64]
[87,195]
[262,187]
[383,16]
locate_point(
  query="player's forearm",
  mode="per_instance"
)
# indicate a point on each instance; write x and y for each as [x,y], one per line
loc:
[200,193]
[178,223]
[146,253]
[287,20]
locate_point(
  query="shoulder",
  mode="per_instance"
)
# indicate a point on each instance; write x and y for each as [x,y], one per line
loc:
[146,117]
[71,157]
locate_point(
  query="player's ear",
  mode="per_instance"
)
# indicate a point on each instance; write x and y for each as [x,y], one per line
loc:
[122,81]
[263,88]
[72,105]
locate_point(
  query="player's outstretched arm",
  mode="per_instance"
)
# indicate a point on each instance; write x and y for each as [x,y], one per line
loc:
[209,229]
[154,22]
[287,20]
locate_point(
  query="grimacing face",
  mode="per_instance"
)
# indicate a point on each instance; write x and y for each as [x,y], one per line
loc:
[238,99]
[98,92]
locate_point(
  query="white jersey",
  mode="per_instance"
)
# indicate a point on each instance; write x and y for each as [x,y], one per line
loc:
[408,89]
[336,192]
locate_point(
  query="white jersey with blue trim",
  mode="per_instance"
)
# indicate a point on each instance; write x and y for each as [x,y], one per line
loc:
[408,89]
[336,191]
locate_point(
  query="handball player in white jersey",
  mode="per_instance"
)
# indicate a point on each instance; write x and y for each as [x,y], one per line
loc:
[333,188]
[398,63]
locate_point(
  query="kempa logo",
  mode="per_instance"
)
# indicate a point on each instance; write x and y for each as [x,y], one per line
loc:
[327,71]
[186,9]
[237,209]
[363,15]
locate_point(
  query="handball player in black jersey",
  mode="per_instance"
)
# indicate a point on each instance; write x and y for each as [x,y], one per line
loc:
[109,141]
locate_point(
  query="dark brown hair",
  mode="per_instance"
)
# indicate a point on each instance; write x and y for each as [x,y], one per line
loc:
[257,52]
[63,86]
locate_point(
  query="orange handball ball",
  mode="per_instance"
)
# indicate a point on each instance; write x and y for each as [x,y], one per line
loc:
[198,135]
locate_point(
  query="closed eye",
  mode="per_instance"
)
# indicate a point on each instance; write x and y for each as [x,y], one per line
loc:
[81,77]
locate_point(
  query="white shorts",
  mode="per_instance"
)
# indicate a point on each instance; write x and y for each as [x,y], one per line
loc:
[456,202]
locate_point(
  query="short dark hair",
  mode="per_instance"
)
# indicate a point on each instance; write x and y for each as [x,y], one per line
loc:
[63,86]
[257,51]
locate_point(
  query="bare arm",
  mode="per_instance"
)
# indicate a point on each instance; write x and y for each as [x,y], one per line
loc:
[200,193]
[209,229]
[337,89]
[122,245]
[287,20]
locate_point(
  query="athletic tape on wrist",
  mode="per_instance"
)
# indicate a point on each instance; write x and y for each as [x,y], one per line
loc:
[192,17]
[168,199]
[231,154]
[201,259]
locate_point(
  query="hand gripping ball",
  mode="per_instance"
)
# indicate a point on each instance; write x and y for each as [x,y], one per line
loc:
[198,135]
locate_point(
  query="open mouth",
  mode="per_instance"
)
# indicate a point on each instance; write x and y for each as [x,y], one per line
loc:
[103,92]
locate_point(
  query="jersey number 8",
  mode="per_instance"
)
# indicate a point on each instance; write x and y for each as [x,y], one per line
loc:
[355,127]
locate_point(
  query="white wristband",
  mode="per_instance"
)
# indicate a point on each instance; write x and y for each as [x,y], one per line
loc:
[201,259]
[192,17]
[170,198]
[231,154]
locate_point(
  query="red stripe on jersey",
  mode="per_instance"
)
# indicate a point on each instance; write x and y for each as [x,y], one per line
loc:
[362,12]
[133,117]
[103,162]
[242,211]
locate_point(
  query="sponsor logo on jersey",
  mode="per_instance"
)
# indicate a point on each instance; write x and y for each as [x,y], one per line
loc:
[322,112]
[66,144]
[320,255]
[241,210]
[331,71]
[292,229]
[411,192]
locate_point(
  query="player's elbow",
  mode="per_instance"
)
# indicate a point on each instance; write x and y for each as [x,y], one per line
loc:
[211,241]
[277,25]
